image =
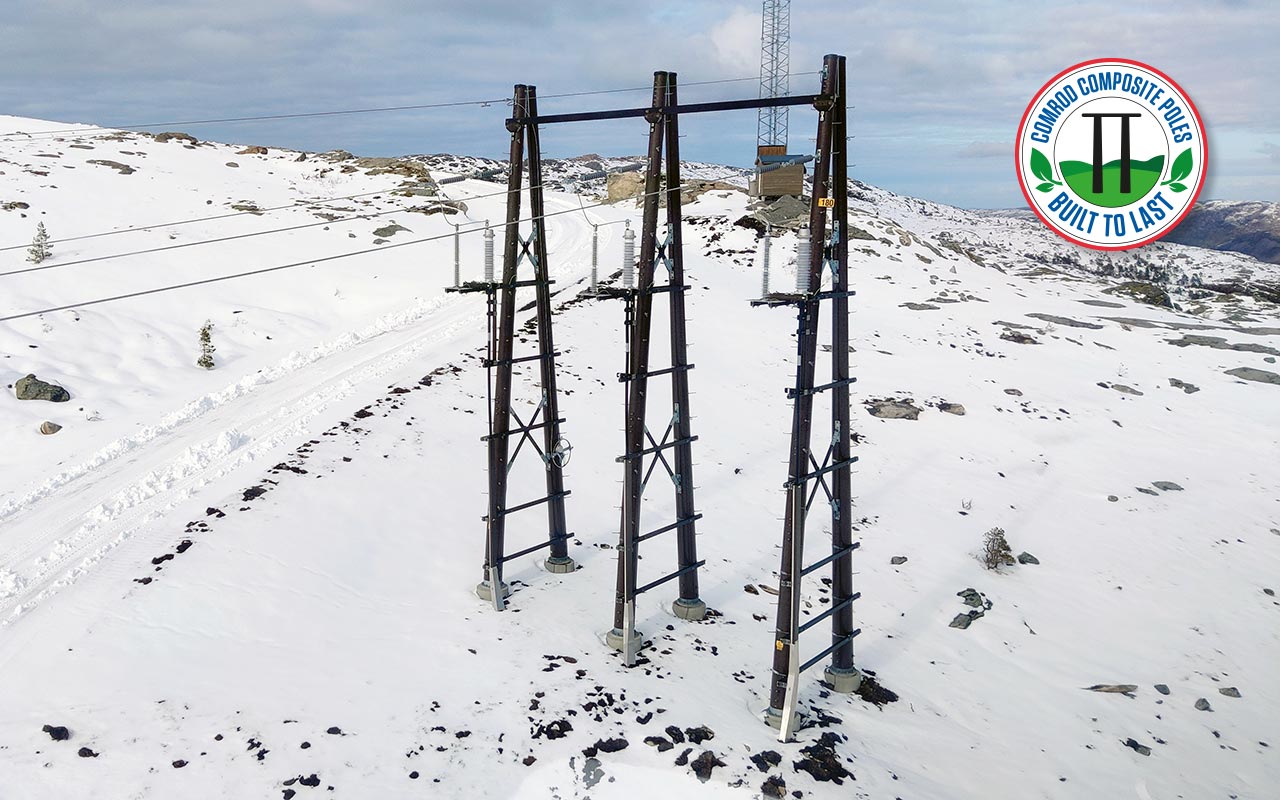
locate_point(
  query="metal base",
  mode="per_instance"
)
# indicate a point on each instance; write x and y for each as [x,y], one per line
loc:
[843,681]
[484,592]
[560,566]
[692,610]
[614,639]
[773,718]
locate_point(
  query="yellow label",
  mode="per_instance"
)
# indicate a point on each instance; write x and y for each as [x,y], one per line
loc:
[777,645]
[827,202]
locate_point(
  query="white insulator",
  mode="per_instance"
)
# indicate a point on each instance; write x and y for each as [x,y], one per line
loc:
[595,254]
[488,253]
[768,245]
[457,256]
[628,257]
[804,254]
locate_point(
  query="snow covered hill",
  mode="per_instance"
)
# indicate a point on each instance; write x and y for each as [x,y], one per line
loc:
[256,581]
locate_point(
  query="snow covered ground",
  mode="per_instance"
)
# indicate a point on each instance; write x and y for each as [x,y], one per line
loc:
[258,579]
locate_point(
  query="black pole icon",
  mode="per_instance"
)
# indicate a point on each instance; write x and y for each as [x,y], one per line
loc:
[1126,166]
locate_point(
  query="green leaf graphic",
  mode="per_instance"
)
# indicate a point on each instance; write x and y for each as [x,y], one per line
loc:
[1045,187]
[1181,166]
[1177,187]
[1040,166]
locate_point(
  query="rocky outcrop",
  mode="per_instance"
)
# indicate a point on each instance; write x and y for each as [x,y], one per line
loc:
[32,388]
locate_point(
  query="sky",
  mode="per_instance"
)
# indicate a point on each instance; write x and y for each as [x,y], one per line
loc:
[936,88]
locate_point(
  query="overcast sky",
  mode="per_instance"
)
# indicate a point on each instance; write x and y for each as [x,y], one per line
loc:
[938,86]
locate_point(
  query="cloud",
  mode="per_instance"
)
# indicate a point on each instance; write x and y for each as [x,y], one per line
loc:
[986,150]
[1271,151]
[927,79]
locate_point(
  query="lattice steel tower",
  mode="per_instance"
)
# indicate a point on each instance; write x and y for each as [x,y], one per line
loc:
[775,63]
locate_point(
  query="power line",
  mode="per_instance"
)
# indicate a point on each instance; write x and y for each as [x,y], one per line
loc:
[294,265]
[234,237]
[319,201]
[350,111]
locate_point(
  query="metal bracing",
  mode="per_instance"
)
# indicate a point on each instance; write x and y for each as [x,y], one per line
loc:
[775,65]
[807,475]
[668,251]
[553,452]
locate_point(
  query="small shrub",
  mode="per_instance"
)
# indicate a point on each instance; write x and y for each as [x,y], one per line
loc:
[995,550]
[206,346]
[39,249]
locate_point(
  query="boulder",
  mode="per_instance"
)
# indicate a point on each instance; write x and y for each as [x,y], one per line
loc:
[893,409]
[1251,374]
[1026,558]
[49,428]
[252,150]
[32,388]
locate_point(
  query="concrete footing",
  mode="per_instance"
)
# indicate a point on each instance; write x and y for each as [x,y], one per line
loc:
[773,717]
[614,639]
[484,592]
[692,610]
[560,566]
[844,681]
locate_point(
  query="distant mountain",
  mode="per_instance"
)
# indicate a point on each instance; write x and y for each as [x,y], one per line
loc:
[1252,228]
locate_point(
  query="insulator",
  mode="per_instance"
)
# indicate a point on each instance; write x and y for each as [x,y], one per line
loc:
[629,257]
[488,253]
[804,254]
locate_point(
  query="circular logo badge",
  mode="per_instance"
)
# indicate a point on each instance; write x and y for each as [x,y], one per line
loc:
[1111,154]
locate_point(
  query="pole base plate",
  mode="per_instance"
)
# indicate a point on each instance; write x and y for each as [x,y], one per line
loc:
[485,592]
[691,610]
[614,639]
[843,681]
[773,718]
[560,566]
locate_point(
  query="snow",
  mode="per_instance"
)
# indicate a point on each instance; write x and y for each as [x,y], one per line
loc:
[342,595]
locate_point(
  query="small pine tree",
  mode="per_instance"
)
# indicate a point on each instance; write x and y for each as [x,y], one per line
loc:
[206,346]
[40,249]
[995,550]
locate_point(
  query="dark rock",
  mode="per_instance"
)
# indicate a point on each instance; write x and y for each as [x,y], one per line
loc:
[699,734]
[971,597]
[766,759]
[1137,748]
[335,731]
[85,752]
[610,745]
[704,764]
[289,793]
[1229,691]
[675,733]
[1113,688]
[1251,374]
[1189,388]
[869,689]
[1017,337]
[918,306]
[1203,705]
[32,388]
[1070,323]
[253,150]
[821,760]
[123,169]
[774,786]
[1143,293]
[964,620]
[1166,486]
[49,428]
[58,733]
[183,546]
[179,764]
[951,408]
[893,409]
[312,780]
[172,136]
[1111,498]
[1145,490]
[1120,387]
[528,761]
[683,758]
[750,589]
[390,230]
[896,560]
[254,492]
[1162,689]
[661,742]
[413,776]
[1026,558]
[1219,343]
